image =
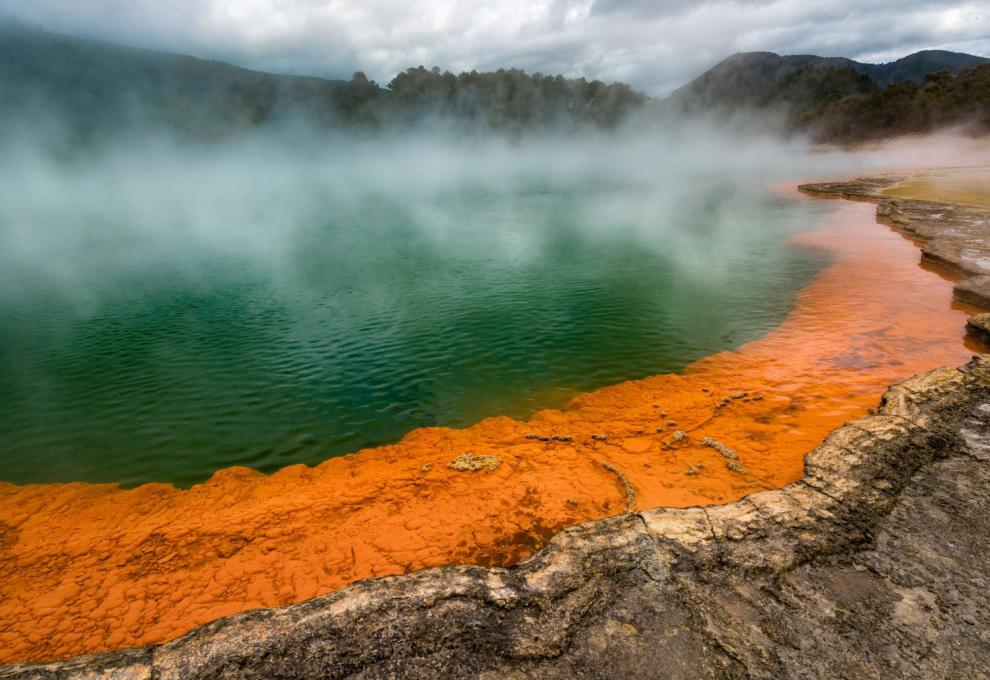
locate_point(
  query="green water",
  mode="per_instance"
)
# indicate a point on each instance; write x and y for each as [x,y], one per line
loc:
[132,356]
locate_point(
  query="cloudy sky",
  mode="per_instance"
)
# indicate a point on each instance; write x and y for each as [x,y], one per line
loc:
[655,45]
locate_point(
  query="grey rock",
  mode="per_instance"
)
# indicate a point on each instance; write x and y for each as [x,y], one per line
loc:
[978,325]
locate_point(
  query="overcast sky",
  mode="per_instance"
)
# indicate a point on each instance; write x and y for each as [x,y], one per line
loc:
[654,45]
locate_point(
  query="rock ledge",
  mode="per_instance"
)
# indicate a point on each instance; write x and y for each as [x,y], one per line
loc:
[953,235]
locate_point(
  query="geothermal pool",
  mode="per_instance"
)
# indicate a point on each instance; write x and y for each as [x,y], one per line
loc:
[834,305]
[134,350]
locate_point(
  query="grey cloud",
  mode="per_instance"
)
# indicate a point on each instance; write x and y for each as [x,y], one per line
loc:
[655,46]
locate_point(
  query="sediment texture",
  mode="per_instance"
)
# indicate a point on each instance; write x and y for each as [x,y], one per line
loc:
[873,564]
[953,235]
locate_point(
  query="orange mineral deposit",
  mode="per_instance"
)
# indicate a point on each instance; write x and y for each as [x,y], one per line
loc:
[87,568]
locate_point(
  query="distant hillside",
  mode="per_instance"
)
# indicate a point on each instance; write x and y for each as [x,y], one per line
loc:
[940,101]
[509,99]
[915,67]
[92,88]
[803,82]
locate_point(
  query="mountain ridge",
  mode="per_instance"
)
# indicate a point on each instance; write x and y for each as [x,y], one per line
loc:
[757,77]
[94,88]
[91,89]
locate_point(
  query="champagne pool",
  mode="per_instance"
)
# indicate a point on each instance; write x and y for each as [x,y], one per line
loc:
[131,354]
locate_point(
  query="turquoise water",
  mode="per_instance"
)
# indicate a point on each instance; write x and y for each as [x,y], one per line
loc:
[136,355]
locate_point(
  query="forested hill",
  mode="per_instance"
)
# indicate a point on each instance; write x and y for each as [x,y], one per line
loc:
[92,88]
[768,80]
[940,101]
[840,100]
[77,90]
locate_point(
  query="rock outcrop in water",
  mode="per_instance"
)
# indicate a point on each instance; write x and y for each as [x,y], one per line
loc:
[953,235]
[978,325]
[873,564]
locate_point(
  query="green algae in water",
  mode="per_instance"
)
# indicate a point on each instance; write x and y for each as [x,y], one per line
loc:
[365,318]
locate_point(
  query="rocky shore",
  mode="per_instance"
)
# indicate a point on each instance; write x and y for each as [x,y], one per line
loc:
[871,565]
[952,235]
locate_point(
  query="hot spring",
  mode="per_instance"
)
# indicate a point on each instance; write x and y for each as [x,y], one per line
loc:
[166,318]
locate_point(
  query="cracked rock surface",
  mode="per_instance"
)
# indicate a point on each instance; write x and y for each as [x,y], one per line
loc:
[872,565]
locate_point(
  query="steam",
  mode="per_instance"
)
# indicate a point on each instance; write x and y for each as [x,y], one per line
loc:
[294,285]
[74,223]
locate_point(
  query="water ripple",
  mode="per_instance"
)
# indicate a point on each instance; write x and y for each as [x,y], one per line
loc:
[358,339]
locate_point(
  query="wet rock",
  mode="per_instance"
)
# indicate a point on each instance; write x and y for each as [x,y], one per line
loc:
[720,447]
[469,462]
[979,326]
[627,487]
[736,466]
[974,290]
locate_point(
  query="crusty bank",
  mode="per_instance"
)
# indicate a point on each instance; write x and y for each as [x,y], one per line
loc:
[953,235]
[872,564]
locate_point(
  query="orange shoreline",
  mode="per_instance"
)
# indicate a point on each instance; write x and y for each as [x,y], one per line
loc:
[88,568]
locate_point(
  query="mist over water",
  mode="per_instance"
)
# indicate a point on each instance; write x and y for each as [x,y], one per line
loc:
[167,310]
